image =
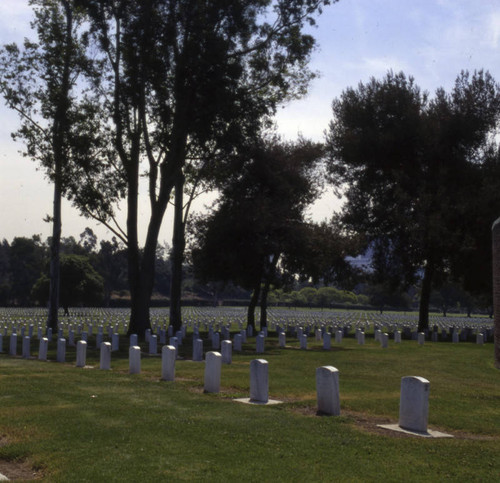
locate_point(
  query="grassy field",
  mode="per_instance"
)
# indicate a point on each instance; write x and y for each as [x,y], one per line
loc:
[61,423]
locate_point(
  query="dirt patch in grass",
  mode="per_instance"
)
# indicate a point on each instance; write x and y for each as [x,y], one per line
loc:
[19,471]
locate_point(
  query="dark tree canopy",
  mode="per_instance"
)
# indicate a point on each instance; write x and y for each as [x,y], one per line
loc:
[81,285]
[410,166]
[261,209]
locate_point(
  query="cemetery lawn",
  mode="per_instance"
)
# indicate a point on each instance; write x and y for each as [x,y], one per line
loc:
[65,424]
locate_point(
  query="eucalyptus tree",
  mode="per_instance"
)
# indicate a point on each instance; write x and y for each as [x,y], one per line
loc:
[409,164]
[42,81]
[182,78]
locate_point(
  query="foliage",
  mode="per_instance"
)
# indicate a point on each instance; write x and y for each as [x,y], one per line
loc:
[410,166]
[81,285]
[248,236]
[27,258]
[317,297]
[184,79]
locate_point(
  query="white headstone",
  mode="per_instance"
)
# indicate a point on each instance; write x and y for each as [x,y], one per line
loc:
[153,344]
[260,341]
[26,346]
[281,339]
[43,349]
[384,340]
[238,341]
[455,337]
[414,403]
[168,356]
[134,359]
[81,353]
[259,381]
[327,390]
[480,339]
[397,337]
[115,341]
[197,350]
[61,350]
[105,357]
[303,342]
[421,338]
[361,338]
[133,340]
[213,362]
[327,341]
[338,336]
[226,350]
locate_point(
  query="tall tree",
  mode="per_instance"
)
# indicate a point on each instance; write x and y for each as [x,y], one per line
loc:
[40,82]
[407,162]
[262,207]
[184,77]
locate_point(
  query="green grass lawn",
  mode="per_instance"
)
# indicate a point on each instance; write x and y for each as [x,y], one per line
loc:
[70,424]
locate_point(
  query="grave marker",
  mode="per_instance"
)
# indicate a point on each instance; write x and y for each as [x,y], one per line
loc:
[105,356]
[226,349]
[61,350]
[213,363]
[414,403]
[198,350]
[81,353]
[327,390]
[259,381]
[168,356]
[134,359]
[43,348]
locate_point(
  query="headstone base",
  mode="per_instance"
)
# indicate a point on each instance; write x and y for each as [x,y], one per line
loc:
[247,400]
[428,434]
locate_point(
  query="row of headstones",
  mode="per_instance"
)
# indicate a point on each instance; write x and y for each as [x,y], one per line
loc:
[414,397]
[239,339]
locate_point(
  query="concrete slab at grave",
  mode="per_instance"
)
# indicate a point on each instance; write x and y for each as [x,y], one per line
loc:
[428,434]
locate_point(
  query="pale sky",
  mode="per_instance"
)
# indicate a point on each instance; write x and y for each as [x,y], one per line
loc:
[432,40]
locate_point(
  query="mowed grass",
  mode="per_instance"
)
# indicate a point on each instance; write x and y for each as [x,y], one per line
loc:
[73,424]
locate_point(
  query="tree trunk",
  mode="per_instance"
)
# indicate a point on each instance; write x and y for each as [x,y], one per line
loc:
[425,296]
[251,306]
[178,246]
[60,128]
[496,288]
[270,270]
[55,256]
[139,298]
[263,305]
